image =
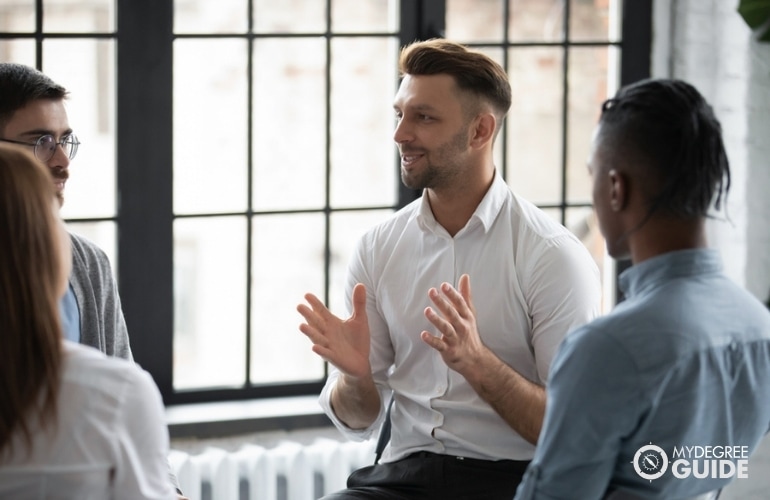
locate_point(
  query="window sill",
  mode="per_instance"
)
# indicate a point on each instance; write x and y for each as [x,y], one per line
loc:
[208,420]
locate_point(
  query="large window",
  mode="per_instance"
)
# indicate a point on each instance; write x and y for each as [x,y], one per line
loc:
[74,43]
[290,161]
[233,151]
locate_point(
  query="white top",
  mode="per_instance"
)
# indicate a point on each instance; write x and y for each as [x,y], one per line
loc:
[110,439]
[532,281]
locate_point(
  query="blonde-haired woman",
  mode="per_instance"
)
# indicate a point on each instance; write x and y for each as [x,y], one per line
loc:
[74,424]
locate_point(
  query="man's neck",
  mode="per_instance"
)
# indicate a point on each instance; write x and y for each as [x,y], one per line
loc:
[660,236]
[453,207]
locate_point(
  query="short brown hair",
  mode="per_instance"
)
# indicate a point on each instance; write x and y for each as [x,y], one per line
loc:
[472,71]
[20,84]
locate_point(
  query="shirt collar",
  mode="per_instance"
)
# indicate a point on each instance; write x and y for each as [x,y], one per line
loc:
[485,213]
[679,264]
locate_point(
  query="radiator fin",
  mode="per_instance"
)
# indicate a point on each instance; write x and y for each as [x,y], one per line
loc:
[287,471]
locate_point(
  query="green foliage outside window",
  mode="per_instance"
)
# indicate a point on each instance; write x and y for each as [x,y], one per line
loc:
[756,13]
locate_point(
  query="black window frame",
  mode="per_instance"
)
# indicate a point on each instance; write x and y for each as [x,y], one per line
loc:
[144,44]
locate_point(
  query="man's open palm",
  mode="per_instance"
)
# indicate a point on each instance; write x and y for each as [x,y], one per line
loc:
[345,344]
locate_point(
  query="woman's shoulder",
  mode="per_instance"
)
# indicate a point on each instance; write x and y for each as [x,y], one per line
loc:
[92,370]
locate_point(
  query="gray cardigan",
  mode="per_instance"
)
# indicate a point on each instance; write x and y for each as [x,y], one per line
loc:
[102,324]
[101,318]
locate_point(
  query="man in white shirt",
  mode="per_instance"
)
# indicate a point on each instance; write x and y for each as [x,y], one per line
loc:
[467,371]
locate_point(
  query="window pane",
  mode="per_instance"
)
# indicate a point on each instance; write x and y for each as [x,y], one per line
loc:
[371,15]
[535,124]
[103,234]
[536,21]
[554,213]
[475,20]
[346,229]
[205,16]
[592,19]
[17,16]
[288,262]
[582,222]
[289,123]
[18,51]
[87,69]
[77,16]
[209,302]
[210,126]
[290,16]
[363,155]
[587,91]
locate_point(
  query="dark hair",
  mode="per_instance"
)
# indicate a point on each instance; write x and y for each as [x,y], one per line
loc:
[21,84]
[30,270]
[668,127]
[472,71]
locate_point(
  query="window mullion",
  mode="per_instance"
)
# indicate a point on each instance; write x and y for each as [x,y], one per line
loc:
[145,177]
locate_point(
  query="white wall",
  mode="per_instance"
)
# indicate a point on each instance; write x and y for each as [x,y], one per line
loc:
[707,43]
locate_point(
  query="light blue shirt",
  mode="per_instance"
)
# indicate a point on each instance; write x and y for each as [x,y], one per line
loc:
[70,316]
[684,361]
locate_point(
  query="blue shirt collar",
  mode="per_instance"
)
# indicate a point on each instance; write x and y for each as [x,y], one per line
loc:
[640,278]
[70,315]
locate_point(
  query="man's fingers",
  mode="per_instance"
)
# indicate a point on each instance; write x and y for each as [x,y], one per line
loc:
[447,308]
[315,303]
[305,311]
[464,287]
[324,352]
[314,334]
[433,341]
[312,317]
[440,323]
[459,304]
[359,300]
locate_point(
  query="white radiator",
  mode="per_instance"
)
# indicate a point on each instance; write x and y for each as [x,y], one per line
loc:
[287,471]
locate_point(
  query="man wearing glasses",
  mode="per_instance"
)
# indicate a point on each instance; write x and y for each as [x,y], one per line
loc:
[32,115]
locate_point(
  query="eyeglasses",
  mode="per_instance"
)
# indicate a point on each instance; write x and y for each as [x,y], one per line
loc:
[45,146]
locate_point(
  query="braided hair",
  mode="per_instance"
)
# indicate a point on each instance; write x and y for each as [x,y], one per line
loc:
[667,128]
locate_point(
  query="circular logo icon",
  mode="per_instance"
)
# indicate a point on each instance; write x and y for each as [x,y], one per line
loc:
[650,461]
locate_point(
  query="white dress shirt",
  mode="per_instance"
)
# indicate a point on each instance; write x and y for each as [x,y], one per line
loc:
[109,439]
[531,281]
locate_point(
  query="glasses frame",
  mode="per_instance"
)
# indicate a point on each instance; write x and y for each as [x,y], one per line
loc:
[41,154]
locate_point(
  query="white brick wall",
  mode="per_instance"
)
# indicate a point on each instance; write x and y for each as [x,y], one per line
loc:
[707,43]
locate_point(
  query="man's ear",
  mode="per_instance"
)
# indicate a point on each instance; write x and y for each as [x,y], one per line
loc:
[483,129]
[618,190]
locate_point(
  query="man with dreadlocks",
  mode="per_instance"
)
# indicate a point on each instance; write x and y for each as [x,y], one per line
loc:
[684,361]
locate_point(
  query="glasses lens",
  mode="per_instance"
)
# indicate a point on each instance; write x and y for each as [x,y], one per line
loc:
[70,145]
[45,147]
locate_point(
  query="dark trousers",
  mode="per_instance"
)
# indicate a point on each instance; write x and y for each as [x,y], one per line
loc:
[427,475]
